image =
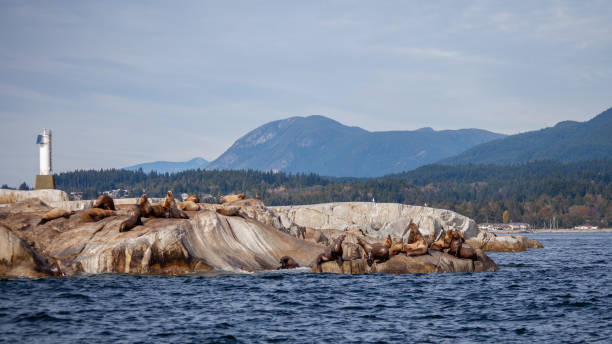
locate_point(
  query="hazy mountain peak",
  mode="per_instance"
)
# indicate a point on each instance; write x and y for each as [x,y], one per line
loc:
[322,145]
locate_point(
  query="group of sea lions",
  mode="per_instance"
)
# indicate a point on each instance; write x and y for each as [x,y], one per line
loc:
[105,207]
[416,246]
[448,241]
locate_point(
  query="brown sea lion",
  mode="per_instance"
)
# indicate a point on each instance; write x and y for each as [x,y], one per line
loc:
[169,202]
[176,213]
[459,248]
[442,241]
[287,262]
[388,241]
[397,247]
[417,245]
[231,198]
[193,198]
[55,213]
[229,211]
[189,206]
[146,210]
[132,221]
[374,252]
[172,211]
[334,252]
[104,202]
[96,214]
[159,211]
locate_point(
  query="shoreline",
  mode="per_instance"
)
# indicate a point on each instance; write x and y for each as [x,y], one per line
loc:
[566,230]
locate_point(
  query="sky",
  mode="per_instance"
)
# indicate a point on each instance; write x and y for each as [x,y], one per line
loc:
[120,83]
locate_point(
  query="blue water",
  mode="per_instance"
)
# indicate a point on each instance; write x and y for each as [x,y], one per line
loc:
[560,294]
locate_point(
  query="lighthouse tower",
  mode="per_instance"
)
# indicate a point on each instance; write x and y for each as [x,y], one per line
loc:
[45,180]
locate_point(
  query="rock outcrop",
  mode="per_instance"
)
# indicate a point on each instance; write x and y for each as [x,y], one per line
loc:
[204,242]
[18,259]
[502,243]
[381,219]
[242,235]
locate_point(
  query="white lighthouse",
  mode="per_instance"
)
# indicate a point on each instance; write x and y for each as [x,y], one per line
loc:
[45,179]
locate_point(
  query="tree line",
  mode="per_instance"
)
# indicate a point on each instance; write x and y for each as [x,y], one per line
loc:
[537,193]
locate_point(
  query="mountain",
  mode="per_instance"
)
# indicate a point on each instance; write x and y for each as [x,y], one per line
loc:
[170,166]
[567,141]
[321,145]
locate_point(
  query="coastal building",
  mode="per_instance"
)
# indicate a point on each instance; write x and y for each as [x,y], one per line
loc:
[117,193]
[516,226]
[586,227]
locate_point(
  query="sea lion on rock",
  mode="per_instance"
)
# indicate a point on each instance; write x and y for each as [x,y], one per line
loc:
[193,198]
[334,252]
[55,214]
[417,245]
[172,211]
[132,221]
[104,202]
[288,263]
[231,198]
[189,206]
[229,211]
[374,252]
[388,241]
[144,206]
[169,202]
[442,241]
[397,247]
[459,248]
[96,214]
[148,210]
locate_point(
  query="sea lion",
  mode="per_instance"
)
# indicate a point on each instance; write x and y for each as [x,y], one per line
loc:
[55,213]
[442,241]
[158,211]
[417,245]
[172,211]
[459,248]
[169,202]
[95,214]
[287,262]
[374,252]
[104,202]
[397,247]
[132,221]
[231,198]
[176,213]
[149,210]
[334,252]
[144,206]
[189,206]
[229,211]
[388,241]
[193,198]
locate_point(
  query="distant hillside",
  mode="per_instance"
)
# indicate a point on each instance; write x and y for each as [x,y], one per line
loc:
[321,145]
[169,166]
[567,141]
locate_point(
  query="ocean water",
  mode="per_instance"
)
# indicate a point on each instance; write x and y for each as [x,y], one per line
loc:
[560,294]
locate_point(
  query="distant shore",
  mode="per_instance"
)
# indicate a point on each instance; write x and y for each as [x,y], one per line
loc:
[561,230]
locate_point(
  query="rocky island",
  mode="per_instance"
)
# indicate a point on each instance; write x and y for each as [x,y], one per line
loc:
[241,235]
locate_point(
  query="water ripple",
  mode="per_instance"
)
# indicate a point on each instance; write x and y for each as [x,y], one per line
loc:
[557,294]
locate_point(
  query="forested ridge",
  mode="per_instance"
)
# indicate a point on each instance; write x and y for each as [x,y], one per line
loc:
[536,193]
